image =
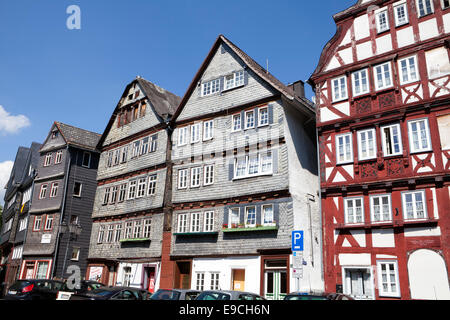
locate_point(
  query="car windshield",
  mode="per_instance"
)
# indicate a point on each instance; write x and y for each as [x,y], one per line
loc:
[165,295]
[19,285]
[102,292]
[305,297]
[213,296]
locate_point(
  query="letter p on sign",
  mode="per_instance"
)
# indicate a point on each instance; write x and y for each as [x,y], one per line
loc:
[297,240]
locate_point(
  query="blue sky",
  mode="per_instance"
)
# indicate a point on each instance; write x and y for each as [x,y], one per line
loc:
[48,72]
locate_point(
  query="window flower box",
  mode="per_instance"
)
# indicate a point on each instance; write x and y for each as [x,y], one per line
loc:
[134,240]
[249,229]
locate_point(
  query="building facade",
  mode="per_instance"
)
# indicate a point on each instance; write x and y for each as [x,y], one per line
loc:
[382,93]
[133,184]
[244,177]
[59,225]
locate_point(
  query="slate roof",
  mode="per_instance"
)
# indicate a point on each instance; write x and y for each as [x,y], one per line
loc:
[78,137]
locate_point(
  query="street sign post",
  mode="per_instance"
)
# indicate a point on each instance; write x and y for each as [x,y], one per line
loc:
[297,250]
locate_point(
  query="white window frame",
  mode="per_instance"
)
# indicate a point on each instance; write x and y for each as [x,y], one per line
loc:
[23,224]
[399,23]
[381,291]
[238,80]
[346,215]
[196,225]
[208,223]
[124,154]
[208,130]
[345,147]
[137,229]
[249,225]
[37,223]
[360,145]
[200,281]
[382,213]
[48,222]
[54,190]
[208,174]
[106,196]
[215,280]
[210,87]
[141,189]
[263,215]
[81,188]
[384,79]
[182,178]
[196,177]
[399,137]
[182,223]
[261,157]
[136,145]
[340,96]
[359,73]
[147,228]
[196,130]
[378,17]
[110,234]
[231,215]
[118,232]
[143,149]
[233,122]
[246,113]
[408,70]
[420,137]
[424,203]
[424,7]
[443,4]
[101,234]
[122,192]
[48,159]
[89,162]
[58,157]
[132,190]
[260,110]
[43,191]
[182,136]
[151,187]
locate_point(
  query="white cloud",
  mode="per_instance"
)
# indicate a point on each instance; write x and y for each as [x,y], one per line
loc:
[10,123]
[5,171]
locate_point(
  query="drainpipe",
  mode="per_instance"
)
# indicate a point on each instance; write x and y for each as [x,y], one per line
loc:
[320,206]
[62,211]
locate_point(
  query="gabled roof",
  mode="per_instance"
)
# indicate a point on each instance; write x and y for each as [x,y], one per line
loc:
[78,137]
[287,92]
[163,102]
[16,175]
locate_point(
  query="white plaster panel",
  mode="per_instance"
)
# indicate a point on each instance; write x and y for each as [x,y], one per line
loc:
[361,26]
[422,232]
[405,37]
[428,29]
[343,107]
[383,238]
[354,259]
[364,50]
[327,115]
[347,55]
[446,18]
[359,236]
[384,44]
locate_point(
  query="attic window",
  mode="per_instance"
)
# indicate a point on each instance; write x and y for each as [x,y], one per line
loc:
[54,134]
[86,159]
[130,97]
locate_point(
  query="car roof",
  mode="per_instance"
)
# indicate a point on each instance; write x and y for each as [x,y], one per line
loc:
[232,292]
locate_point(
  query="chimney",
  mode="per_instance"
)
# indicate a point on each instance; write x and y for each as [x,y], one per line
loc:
[298,87]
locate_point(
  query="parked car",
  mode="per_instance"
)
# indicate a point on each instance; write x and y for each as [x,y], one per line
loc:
[110,293]
[228,295]
[34,290]
[317,296]
[85,286]
[175,294]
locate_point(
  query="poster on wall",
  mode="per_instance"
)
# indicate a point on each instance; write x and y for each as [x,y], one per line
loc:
[95,273]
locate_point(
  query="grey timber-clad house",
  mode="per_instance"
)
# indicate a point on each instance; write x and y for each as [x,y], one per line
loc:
[59,225]
[132,201]
[244,177]
[15,215]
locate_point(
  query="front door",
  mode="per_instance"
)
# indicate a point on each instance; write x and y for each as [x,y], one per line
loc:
[275,284]
[150,275]
[239,279]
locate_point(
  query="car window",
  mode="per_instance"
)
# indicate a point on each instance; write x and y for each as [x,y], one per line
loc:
[245,297]
[44,285]
[191,295]
[128,295]
[165,295]
[57,285]
[213,296]
[258,298]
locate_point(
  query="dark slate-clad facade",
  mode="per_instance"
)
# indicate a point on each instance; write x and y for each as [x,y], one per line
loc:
[59,224]
[15,216]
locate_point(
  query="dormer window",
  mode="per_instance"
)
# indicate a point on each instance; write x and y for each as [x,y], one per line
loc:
[54,134]
[210,87]
[234,80]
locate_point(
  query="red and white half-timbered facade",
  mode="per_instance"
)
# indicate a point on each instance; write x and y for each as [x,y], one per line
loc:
[383,95]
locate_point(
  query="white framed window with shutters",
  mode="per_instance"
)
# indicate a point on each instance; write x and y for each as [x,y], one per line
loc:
[354,210]
[414,205]
[196,132]
[182,225]
[360,82]
[339,89]
[401,14]
[391,140]
[383,76]
[195,222]
[367,144]
[182,178]
[344,148]
[208,222]
[380,208]
[419,135]
[263,116]
[234,80]
[208,130]
[182,136]
[208,174]
[236,122]
[250,217]
[382,20]
[388,280]
[249,119]
[408,70]
[196,177]
[424,7]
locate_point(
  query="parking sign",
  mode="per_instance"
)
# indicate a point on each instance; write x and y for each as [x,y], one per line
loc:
[297,240]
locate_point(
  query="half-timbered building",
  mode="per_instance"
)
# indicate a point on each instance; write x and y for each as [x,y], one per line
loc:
[382,93]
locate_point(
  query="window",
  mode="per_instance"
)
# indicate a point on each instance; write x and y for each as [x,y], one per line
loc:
[122,192]
[151,190]
[42,268]
[195,132]
[48,159]
[419,135]
[132,190]
[209,221]
[118,232]
[234,80]
[58,157]
[54,134]
[23,223]
[154,143]
[391,139]
[445,4]
[208,127]
[208,175]
[414,205]
[113,197]
[8,225]
[215,280]
[54,190]
[182,178]
[360,82]
[424,7]
[110,158]
[358,282]
[200,282]
[210,87]
[344,148]
[401,14]
[263,116]
[268,218]
[182,136]
[354,212]
[250,216]
[137,229]
[144,146]
[234,218]
[253,165]
[382,21]
[116,157]
[43,191]
[141,187]
[136,148]
[408,70]
[382,74]
[249,119]
[237,122]
[109,235]
[37,223]
[182,223]
[266,163]
[339,88]
[75,254]
[48,223]
[195,222]
[367,144]
[74,219]
[195,177]
[106,196]
[101,234]
[147,228]
[388,282]
[123,154]
[380,208]
[128,229]
[77,186]
[86,159]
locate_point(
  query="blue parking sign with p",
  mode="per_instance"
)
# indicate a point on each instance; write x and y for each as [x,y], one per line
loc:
[297,240]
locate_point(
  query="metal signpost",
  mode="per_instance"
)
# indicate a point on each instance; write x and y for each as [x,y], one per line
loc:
[297,257]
